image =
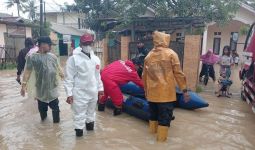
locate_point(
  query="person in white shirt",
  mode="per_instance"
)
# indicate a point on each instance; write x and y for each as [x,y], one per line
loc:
[226,61]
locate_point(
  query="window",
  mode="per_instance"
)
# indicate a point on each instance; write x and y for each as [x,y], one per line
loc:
[217,33]
[178,34]
[179,37]
[233,40]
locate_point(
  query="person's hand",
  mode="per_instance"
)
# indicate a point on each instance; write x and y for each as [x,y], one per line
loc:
[69,100]
[100,94]
[23,91]
[62,76]
[186,97]
[18,79]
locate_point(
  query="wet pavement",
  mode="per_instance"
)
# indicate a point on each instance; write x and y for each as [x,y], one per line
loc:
[227,124]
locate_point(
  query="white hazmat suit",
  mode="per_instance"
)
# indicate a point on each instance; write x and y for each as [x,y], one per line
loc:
[83,82]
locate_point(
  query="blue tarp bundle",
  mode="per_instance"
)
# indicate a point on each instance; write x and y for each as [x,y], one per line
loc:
[135,104]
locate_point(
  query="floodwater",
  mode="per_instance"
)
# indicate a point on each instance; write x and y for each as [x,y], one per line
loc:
[227,124]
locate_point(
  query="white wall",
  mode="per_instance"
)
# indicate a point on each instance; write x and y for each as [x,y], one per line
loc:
[233,26]
[2,31]
[51,17]
[70,19]
[244,16]
[28,32]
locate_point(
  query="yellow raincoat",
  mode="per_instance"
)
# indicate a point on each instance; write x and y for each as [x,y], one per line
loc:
[162,70]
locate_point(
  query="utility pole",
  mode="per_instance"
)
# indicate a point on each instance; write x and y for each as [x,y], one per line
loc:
[44,15]
[41,17]
[18,4]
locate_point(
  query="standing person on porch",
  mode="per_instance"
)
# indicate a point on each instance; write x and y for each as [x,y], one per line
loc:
[161,72]
[83,84]
[45,69]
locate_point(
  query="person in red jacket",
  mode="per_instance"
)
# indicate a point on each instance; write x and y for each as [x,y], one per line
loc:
[114,75]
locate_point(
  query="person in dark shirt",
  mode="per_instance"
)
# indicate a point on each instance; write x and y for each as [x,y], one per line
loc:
[142,53]
[21,59]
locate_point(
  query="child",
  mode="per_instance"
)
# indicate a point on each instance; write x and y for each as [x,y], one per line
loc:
[226,61]
[236,59]
[224,85]
[83,84]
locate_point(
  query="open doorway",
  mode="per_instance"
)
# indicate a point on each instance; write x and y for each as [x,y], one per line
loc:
[63,48]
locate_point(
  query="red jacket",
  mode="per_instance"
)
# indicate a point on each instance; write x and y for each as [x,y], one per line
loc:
[121,72]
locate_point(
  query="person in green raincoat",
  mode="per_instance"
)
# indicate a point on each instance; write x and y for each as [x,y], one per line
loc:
[45,69]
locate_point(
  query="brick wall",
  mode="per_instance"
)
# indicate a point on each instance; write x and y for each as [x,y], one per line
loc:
[191,59]
[105,52]
[125,47]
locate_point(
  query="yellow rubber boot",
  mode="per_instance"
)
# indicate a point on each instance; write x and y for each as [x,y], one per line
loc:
[153,126]
[162,133]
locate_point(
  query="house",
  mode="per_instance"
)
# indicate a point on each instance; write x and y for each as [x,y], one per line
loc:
[13,32]
[73,19]
[216,36]
[62,35]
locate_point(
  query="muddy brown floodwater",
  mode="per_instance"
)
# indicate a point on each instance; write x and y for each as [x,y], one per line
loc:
[227,124]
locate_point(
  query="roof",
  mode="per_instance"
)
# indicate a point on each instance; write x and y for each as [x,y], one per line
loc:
[247,7]
[13,21]
[2,15]
[63,29]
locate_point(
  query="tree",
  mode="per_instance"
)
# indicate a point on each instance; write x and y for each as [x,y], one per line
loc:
[212,10]
[30,8]
[220,11]
[35,25]
[11,3]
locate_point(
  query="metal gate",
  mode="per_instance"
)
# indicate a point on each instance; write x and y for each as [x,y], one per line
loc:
[7,56]
[178,47]
[114,50]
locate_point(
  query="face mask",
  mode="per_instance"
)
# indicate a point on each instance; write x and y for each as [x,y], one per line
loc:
[86,49]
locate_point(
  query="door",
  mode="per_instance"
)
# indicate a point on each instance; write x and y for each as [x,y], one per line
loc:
[216,45]
[233,41]
[62,48]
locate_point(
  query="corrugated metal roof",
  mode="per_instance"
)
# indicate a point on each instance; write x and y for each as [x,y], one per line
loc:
[2,15]
[63,29]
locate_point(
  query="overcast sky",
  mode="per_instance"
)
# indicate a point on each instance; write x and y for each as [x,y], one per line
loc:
[51,5]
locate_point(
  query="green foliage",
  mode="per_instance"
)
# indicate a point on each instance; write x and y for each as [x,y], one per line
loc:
[199,89]
[19,3]
[30,8]
[194,31]
[244,29]
[7,66]
[220,11]
[35,25]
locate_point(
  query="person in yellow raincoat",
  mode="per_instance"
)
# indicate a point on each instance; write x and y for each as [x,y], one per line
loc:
[160,74]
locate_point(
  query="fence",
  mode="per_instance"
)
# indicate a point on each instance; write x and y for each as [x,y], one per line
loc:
[178,47]
[7,56]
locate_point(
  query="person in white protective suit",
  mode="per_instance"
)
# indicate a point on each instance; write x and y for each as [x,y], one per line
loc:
[83,84]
